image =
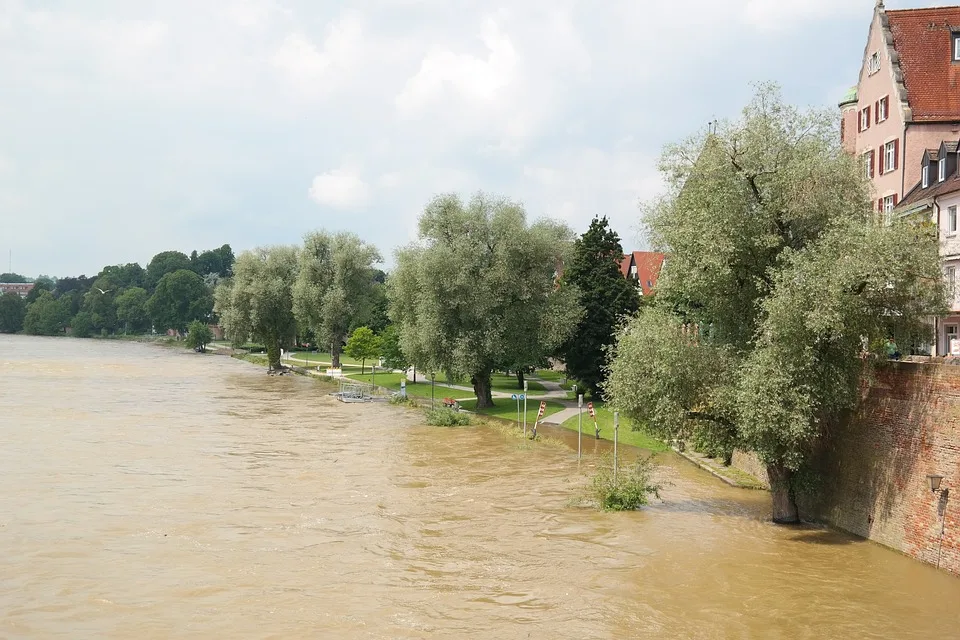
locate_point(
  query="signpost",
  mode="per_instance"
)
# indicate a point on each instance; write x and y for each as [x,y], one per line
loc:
[593,414]
[403,388]
[579,424]
[616,429]
[518,398]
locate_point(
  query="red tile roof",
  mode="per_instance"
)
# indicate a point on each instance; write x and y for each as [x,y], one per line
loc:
[923,40]
[648,268]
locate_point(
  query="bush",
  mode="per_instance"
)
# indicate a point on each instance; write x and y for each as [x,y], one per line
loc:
[82,325]
[632,487]
[407,401]
[198,336]
[447,418]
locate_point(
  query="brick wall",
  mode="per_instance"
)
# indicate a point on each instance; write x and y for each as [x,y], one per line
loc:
[874,467]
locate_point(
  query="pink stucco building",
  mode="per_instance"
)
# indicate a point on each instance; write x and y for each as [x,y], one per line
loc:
[907,99]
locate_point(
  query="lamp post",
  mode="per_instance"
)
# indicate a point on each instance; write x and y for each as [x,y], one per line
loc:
[616,430]
[432,376]
[524,409]
[579,423]
[935,481]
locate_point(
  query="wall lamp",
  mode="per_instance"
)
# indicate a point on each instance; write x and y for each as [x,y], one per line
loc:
[935,481]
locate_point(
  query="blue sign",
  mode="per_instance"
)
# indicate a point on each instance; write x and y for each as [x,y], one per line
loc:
[523,397]
[513,397]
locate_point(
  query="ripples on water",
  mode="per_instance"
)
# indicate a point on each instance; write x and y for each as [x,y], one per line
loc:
[153,493]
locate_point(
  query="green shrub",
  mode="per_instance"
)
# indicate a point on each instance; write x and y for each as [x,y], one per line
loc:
[407,401]
[447,418]
[630,490]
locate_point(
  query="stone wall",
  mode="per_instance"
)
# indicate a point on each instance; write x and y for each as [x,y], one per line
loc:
[873,469]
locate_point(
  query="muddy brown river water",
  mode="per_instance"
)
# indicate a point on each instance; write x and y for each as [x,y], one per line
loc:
[152,493]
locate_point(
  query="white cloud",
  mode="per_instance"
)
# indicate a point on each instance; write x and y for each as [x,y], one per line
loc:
[339,189]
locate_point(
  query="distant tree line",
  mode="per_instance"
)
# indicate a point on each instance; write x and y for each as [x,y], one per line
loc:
[170,293]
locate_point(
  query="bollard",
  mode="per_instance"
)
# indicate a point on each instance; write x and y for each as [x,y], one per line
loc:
[579,425]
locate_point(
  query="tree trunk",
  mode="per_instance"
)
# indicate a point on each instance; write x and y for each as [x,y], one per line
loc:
[335,354]
[273,354]
[481,386]
[363,365]
[784,504]
[519,378]
[414,374]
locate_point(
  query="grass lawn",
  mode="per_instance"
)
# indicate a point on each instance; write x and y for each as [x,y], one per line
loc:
[508,384]
[420,389]
[550,375]
[324,358]
[605,419]
[507,409]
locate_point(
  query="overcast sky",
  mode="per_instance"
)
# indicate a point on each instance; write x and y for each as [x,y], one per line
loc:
[133,127]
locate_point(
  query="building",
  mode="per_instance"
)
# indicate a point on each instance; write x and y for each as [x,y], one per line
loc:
[22,288]
[643,267]
[936,197]
[907,99]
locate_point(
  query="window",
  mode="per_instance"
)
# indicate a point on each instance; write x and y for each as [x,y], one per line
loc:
[952,334]
[951,281]
[873,64]
[868,164]
[633,272]
[956,47]
[926,176]
[952,220]
[888,203]
[864,118]
[942,170]
[890,156]
[882,107]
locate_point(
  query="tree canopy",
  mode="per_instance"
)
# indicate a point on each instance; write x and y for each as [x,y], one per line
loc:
[363,345]
[257,302]
[335,290]
[163,263]
[606,297]
[46,316]
[180,298]
[480,289]
[780,289]
[13,309]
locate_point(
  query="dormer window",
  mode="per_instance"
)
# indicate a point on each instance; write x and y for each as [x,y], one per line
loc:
[926,177]
[956,46]
[942,170]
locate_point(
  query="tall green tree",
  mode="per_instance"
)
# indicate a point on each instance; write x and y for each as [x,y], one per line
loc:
[363,345]
[13,309]
[199,336]
[39,286]
[81,326]
[779,293]
[132,310]
[13,278]
[393,355]
[46,316]
[163,263]
[180,298]
[606,297]
[257,302]
[479,287]
[99,302]
[335,290]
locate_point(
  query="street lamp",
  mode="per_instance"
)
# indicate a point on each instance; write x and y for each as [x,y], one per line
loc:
[935,481]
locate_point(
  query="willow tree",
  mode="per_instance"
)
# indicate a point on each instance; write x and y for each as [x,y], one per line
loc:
[257,302]
[480,287]
[336,289]
[780,290]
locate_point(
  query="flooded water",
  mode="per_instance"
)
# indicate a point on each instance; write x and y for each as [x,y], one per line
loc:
[152,493]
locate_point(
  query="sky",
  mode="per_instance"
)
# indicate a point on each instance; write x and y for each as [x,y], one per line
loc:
[130,128]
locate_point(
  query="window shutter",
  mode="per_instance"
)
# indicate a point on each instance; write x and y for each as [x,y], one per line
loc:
[896,154]
[859,122]
[876,112]
[896,199]
[881,160]
[872,163]
[868,117]
[880,205]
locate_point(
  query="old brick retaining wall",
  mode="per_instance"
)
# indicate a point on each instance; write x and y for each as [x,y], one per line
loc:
[873,469]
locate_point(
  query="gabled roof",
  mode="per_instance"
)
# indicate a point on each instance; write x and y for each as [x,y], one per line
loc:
[918,195]
[922,40]
[648,265]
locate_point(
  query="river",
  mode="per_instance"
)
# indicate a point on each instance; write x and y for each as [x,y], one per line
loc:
[157,493]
